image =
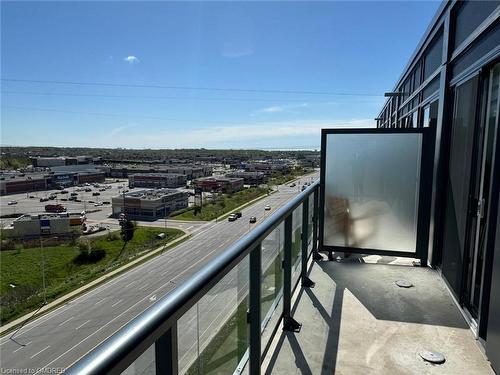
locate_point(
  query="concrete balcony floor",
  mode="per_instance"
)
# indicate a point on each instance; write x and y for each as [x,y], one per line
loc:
[356,320]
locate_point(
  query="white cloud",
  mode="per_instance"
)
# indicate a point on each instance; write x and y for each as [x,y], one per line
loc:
[281,108]
[131,59]
[269,134]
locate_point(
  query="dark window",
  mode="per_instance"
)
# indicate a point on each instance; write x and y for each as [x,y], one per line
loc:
[433,56]
[431,88]
[469,16]
[486,43]
[458,182]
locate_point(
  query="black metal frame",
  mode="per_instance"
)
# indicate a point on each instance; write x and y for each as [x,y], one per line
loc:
[158,324]
[425,192]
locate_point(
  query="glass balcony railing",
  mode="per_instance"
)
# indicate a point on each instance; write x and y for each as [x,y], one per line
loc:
[222,318]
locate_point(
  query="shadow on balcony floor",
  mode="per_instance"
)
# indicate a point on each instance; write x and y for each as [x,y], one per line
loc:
[358,321]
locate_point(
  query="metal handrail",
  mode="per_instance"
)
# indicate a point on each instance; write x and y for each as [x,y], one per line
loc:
[120,350]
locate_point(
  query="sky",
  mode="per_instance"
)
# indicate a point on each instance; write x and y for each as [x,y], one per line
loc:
[265,75]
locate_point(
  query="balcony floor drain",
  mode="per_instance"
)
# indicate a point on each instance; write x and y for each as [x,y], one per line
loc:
[404,283]
[432,357]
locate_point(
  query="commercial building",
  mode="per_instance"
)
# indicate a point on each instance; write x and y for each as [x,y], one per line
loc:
[149,204]
[157,180]
[220,184]
[451,86]
[249,178]
[267,167]
[55,161]
[43,224]
[190,171]
[12,183]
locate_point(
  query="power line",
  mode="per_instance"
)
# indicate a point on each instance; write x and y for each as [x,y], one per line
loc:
[153,97]
[330,93]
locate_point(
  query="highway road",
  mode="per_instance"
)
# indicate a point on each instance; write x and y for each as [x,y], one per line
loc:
[59,338]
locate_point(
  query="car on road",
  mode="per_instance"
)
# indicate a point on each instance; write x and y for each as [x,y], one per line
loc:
[232,217]
[292,185]
[238,214]
[267,208]
[98,204]
[32,196]
[64,192]
[11,203]
[44,199]
[252,220]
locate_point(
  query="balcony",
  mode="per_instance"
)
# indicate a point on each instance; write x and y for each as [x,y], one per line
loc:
[272,304]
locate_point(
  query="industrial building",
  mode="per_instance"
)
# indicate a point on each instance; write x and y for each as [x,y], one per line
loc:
[450,88]
[157,180]
[249,178]
[43,224]
[149,204]
[219,184]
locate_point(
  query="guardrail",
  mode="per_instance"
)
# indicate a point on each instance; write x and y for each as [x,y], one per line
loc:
[155,331]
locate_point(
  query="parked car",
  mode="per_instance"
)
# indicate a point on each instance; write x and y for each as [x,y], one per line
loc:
[64,192]
[303,187]
[106,202]
[96,193]
[292,185]
[11,203]
[72,198]
[238,214]
[74,194]
[32,196]
[88,190]
[44,199]
[252,220]
[232,217]
[267,208]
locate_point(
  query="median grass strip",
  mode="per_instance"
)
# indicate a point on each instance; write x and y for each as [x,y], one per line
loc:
[21,285]
[221,205]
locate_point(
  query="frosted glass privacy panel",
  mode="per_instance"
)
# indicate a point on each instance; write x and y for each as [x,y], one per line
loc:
[371,191]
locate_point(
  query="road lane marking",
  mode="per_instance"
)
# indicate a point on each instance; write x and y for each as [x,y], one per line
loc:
[22,347]
[81,325]
[44,349]
[116,303]
[66,321]
[144,286]
[100,301]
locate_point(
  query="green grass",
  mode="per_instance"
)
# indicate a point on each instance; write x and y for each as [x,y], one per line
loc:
[22,268]
[222,205]
[278,178]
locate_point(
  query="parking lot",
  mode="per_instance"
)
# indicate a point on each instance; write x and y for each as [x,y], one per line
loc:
[96,206]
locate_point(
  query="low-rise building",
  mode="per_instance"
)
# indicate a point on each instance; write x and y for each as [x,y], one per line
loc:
[149,204]
[41,224]
[249,178]
[157,180]
[22,183]
[219,183]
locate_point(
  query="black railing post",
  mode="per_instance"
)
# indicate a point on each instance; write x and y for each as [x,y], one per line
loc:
[316,255]
[305,280]
[166,354]
[289,324]
[255,319]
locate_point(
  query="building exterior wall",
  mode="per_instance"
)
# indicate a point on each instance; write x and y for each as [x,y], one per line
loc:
[157,180]
[139,208]
[448,86]
[222,184]
[27,226]
[13,186]
[249,178]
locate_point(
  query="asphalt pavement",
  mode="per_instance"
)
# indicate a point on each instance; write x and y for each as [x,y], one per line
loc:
[61,337]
